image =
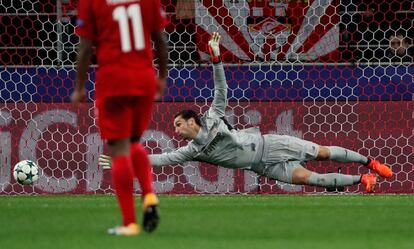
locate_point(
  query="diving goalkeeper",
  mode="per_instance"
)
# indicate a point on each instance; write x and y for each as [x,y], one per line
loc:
[282,158]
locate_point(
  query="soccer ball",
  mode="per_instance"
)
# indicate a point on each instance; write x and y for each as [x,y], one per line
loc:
[26,172]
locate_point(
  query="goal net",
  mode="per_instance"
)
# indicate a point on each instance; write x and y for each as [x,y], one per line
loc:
[333,72]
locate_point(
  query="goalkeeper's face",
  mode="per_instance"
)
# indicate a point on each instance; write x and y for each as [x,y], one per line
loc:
[186,129]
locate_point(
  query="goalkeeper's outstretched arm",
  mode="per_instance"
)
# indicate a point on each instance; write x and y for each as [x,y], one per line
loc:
[219,104]
[217,109]
[181,155]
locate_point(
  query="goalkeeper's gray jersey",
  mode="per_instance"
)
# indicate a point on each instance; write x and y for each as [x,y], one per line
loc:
[217,143]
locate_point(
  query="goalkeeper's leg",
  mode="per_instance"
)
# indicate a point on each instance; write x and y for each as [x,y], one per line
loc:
[301,175]
[294,172]
[340,154]
[343,155]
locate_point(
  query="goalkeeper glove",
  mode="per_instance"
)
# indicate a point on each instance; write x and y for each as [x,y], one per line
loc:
[105,161]
[214,47]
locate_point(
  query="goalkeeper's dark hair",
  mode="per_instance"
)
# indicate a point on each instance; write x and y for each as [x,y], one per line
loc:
[187,114]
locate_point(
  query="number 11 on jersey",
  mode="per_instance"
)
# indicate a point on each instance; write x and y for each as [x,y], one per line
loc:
[122,14]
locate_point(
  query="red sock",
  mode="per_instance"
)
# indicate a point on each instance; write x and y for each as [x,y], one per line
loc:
[123,180]
[142,167]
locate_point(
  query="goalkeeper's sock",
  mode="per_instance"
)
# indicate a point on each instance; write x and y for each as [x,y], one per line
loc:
[123,180]
[142,168]
[333,180]
[343,155]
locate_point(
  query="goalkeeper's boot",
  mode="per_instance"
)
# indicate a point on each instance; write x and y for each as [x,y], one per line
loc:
[130,230]
[381,169]
[150,210]
[369,181]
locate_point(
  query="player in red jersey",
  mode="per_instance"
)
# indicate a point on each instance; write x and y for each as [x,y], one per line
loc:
[126,85]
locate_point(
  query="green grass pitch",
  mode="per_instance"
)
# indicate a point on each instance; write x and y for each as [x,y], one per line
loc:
[241,221]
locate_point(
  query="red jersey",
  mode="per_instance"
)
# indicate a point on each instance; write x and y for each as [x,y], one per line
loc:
[121,31]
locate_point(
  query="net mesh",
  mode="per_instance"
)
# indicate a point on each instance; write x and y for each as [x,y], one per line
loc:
[333,72]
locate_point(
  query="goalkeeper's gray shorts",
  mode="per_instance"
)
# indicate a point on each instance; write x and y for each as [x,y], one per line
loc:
[283,154]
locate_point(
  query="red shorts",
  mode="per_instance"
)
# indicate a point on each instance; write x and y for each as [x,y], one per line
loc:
[123,116]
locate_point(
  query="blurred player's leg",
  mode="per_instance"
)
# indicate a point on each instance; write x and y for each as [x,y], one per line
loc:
[122,178]
[115,121]
[142,168]
[143,172]
[142,165]
[130,230]
[150,207]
